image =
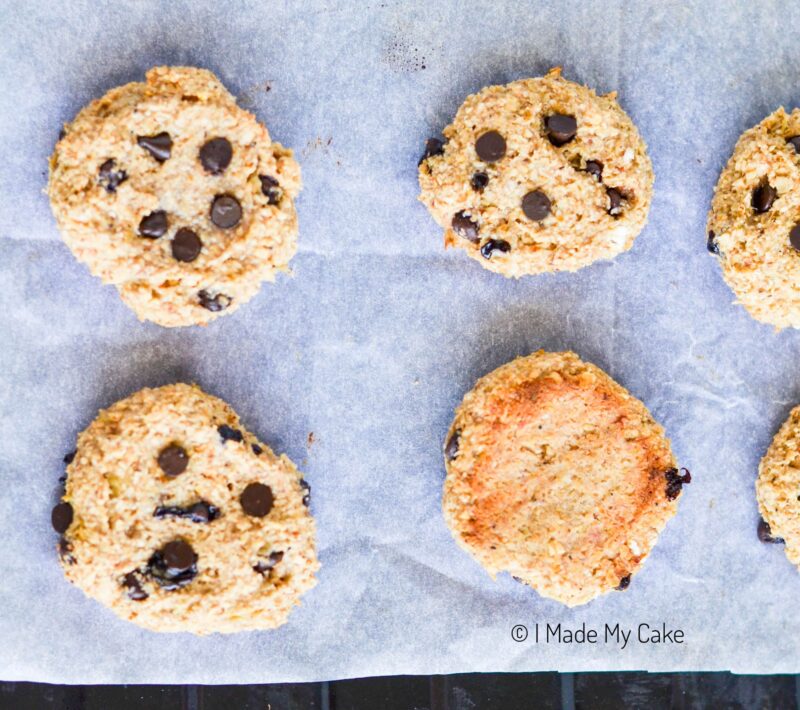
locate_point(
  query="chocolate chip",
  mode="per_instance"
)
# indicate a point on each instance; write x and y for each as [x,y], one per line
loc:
[257,500]
[433,146]
[109,178]
[765,533]
[226,212]
[257,450]
[306,486]
[595,169]
[69,458]
[763,197]
[173,460]
[271,188]
[536,205]
[711,244]
[490,147]
[201,512]
[174,565]
[465,227]
[229,433]
[494,245]
[65,551]
[614,201]
[266,565]
[561,128]
[794,141]
[794,236]
[153,225]
[624,583]
[186,245]
[134,587]
[676,480]
[451,447]
[61,517]
[216,154]
[479,181]
[214,303]
[159,145]
[62,134]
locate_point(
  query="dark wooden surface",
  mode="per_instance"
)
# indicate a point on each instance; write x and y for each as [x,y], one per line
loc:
[491,691]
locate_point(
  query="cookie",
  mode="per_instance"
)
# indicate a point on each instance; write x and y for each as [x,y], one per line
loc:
[171,192]
[178,519]
[559,476]
[754,222]
[778,488]
[538,175]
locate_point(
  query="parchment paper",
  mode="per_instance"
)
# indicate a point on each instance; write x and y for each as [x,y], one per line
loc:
[378,334]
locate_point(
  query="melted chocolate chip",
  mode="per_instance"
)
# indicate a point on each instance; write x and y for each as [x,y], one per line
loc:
[794,237]
[173,460]
[765,533]
[794,141]
[493,245]
[186,245]
[216,154]
[266,565]
[174,565]
[306,486]
[229,433]
[433,146]
[201,512]
[763,197]
[490,147]
[676,480]
[536,205]
[153,225]
[257,450]
[271,189]
[624,583]
[61,517]
[464,227]
[65,551]
[595,169]
[711,244]
[257,500]
[226,212]
[479,181]
[109,178]
[451,447]
[560,128]
[69,458]
[614,201]
[134,586]
[159,145]
[214,303]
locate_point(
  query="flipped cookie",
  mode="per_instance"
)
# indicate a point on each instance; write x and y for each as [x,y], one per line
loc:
[171,192]
[559,476]
[538,175]
[777,488]
[754,222]
[178,519]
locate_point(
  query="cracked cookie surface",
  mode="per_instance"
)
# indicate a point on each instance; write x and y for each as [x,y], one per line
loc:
[178,519]
[175,195]
[754,222]
[559,476]
[538,175]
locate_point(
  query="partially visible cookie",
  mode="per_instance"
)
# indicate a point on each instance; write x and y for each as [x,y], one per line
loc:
[538,175]
[559,476]
[178,519]
[778,488]
[171,192]
[754,222]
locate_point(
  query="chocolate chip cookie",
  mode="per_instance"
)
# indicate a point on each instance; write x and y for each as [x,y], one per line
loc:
[754,222]
[538,175]
[178,519]
[171,192]
[559,476]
